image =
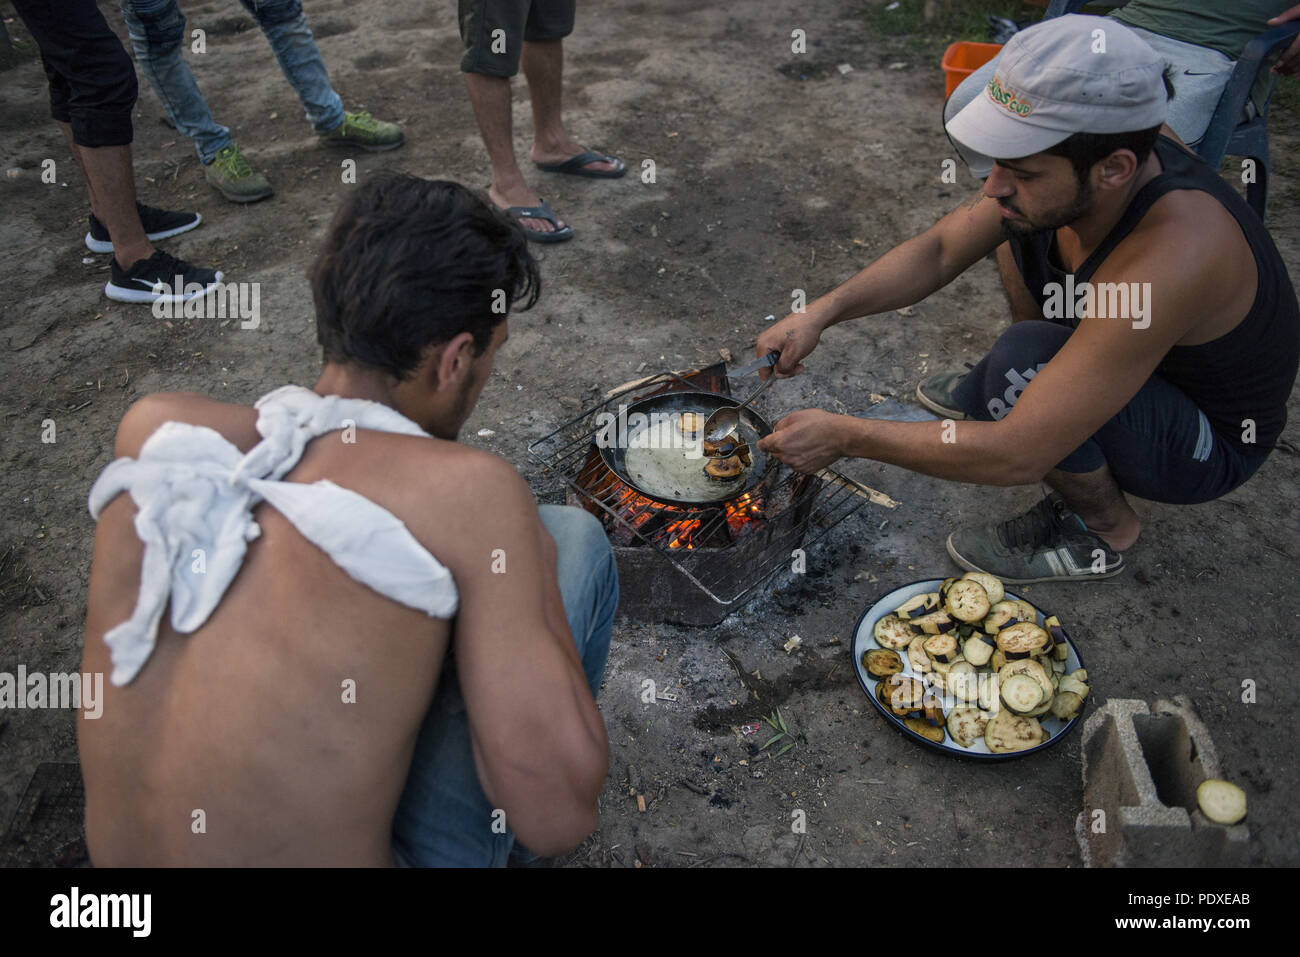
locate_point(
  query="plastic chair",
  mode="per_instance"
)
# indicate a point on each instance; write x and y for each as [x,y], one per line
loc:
[1227,133]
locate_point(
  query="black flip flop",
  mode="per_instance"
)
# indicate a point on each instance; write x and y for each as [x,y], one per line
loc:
[577,166]
[541,211]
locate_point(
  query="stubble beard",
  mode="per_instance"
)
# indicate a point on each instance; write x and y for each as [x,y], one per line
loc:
[1053,219]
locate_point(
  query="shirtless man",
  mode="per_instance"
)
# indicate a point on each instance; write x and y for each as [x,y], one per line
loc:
[284,716]
[1172,386]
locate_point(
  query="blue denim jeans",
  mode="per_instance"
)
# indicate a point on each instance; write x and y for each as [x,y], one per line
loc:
[157,29]
[444,819]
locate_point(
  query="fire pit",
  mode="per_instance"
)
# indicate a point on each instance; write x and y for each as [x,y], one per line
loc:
[684,564]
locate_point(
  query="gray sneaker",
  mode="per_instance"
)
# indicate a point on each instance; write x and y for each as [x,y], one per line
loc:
[1047,543]
[935,393]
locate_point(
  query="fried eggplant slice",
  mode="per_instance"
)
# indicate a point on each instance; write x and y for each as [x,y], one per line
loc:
[992,585]
[722,470]
[925,729]
[967,601]
[1008,732]
[881,662]
[893,633]
[966,725]
[1021,640]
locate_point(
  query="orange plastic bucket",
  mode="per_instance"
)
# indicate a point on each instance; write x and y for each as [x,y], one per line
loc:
[962,59]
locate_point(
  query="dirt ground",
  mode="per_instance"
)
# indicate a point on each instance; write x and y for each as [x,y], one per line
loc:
[774,171]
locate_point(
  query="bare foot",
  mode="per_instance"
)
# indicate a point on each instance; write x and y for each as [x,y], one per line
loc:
[521,195]
[566,149]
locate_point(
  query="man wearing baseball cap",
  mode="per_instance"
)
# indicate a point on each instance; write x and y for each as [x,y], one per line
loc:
[1155,335]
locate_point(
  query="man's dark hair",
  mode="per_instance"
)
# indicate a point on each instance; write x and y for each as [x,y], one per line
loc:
[1085,150]
[410,263]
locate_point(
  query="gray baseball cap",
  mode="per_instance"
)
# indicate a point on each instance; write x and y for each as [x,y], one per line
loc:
[1071,74]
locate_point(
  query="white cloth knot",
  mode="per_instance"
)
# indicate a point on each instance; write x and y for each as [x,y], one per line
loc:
[194,493]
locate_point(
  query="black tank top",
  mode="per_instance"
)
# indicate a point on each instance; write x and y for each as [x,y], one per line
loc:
[1245,374]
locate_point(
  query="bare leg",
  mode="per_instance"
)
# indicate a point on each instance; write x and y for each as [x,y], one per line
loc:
[543,65]
[1023,305]
[490,98]
[110,181]
[1096,499]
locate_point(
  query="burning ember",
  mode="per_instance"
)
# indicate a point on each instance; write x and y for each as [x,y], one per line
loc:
[669,526]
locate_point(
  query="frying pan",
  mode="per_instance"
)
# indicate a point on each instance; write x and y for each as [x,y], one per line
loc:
[674,482]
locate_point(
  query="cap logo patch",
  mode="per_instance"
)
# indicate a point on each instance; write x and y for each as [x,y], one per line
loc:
[1008,100]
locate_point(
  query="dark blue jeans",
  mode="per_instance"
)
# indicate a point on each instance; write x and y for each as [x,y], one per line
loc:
[1160,446]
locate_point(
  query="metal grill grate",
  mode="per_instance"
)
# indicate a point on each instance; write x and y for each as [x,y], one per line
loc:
[734,547]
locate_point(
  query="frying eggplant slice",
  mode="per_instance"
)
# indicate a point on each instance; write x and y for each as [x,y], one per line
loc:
[992,585]
[966,725]
[722,470]
[745,458]
[1221,801]
[690,424]
[925,729]
[893,633]
[967,601]
[916,655]
[881,663]
[1008,732]
[918,605]
[942,648]
[721,448]
[1021,640]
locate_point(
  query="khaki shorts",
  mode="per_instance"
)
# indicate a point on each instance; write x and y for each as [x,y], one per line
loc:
[494,31]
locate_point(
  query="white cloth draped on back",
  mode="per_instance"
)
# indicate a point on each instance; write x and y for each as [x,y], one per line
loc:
[195,493]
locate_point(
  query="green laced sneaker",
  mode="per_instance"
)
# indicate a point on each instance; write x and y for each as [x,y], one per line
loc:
[232,176]
[1047,543]
[362,129]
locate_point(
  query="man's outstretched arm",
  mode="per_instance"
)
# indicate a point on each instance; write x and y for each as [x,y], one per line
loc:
[908,273]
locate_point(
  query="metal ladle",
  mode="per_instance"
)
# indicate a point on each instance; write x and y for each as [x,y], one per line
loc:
[722,422]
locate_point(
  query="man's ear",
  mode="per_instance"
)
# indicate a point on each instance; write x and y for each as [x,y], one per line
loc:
[1117,169]
[455,360]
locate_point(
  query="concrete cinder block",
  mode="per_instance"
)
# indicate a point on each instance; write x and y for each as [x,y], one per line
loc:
[1141,768]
